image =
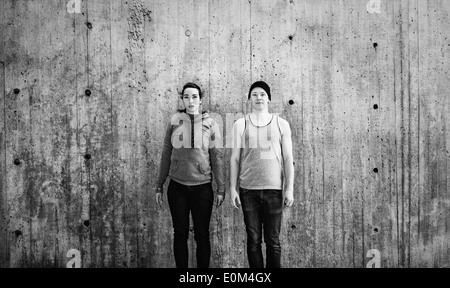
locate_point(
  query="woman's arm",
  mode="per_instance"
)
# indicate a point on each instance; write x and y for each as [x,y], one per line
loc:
[216,158]
[238,129]
[164,165]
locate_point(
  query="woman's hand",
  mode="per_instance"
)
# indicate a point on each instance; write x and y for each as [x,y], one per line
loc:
[219,200]
[159,197]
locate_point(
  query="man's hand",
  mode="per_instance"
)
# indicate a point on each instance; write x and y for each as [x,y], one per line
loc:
[235,200]
[288,198]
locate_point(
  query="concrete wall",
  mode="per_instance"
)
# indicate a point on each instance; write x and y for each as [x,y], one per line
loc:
[366,94]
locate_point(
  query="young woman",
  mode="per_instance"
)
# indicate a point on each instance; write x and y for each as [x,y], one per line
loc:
[190,159]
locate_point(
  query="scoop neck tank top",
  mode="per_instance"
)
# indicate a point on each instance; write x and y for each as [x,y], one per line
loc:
[261,165]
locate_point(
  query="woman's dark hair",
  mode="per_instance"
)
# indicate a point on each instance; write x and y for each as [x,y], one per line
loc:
[191,85]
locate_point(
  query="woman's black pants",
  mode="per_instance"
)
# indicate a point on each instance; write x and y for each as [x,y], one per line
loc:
[197,200]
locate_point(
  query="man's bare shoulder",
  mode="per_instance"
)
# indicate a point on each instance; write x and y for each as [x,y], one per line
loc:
[238,124]
[283,123]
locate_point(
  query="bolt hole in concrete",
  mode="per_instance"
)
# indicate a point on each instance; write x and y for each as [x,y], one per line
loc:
[375,229]
[16,91]
[375,106]
[291,102]
[86,223]
[16,162]
[87,156]
[375,45]
[18,233]
[89,25]
[375,170]
[188,33]
[87,92]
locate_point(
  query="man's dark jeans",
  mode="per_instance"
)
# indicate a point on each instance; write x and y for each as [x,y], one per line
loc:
[199,201]
[262,211]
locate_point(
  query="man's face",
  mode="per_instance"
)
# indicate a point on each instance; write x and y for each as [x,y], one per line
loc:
[259,99]
[191,100]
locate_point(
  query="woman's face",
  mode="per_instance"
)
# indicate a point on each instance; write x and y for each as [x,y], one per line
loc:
[191,100]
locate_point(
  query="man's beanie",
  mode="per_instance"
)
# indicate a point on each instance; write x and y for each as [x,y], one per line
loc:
[260,84]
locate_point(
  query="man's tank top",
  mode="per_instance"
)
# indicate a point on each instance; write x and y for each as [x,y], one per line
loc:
[261,165]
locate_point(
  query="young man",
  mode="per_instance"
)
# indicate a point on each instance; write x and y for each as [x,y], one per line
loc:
[262,160]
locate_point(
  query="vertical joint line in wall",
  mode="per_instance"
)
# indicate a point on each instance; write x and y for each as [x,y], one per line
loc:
[353,245]
[76,79]
[323,179]
[138,256]
[124,231]
[209,55]
[112,129]
[418,119]
[303,112]
[4,104]
[88,142]
[110,67]
[5,179]
[396,152]
[402,143]
[30,197]
[30,200]
[3,67]
[395,119]
[362,232]
[87,44]
[342,202]
[409,146]
[90,210]
[251,44]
